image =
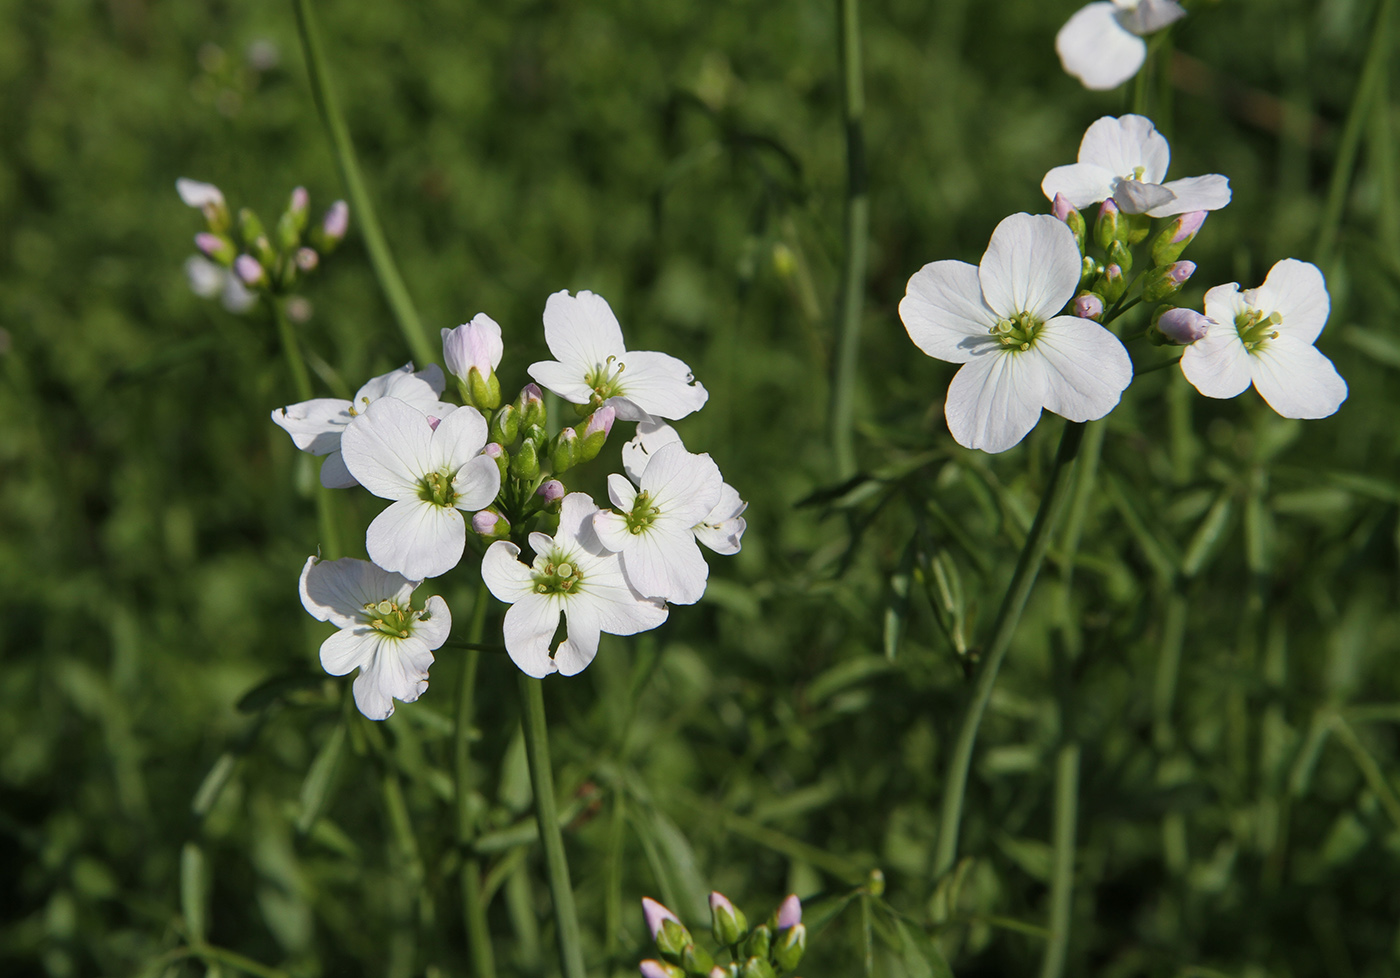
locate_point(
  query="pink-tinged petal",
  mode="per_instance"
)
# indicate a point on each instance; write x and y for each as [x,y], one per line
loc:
[528,628]
[475,344]
[458,439]
[338,590]
[504,575]
[581,331]
[622,493]
[1296,380]
[1297,291]
[334,474]
[995,400]
[943,311]
[665,563]
[387,448]
[1121,145]
[655,914]
[1082,184]
[1088,368]
[611,530]
[1137,197]
[1095,48]
[566,380]
[790,912]
[659,385]
[477,483]
[1031,265]
[650,438]
[434,627]
[1208,193]
[349,648]
[683,486]
[417,538]
[1218,365]
[315,425]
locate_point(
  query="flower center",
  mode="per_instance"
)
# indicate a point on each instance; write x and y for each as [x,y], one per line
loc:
[1256,329]
[643,515]
[606,381]
[389,618]
[556,574]
[1018,333]
[436,488]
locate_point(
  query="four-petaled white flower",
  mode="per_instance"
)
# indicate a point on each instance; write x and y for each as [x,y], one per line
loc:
[1126,158]
[575,575]
[594,367]
[1265,336]
[653,532]
[722,528]
[380,632]
[316,425]
[433,469]
[1001,320]
[1101,44]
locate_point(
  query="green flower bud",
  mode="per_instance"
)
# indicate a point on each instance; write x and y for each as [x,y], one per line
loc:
[672,939]
[756,967]
[1106,227]
[1111,285]
[250,229]
[1120,255]
[530,404]
[1067,213]
[1166,280]
[726,920]
[696,960]
[564,454]
[1089,270]
[505,425]
[789,947]
[482,393]
[758,943]
[525,464]
[1172,241]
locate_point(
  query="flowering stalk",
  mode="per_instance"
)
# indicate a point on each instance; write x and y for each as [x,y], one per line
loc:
[1052,965]
[857,241]
[546,815]
[1008,616]
[473,909]
[395,293]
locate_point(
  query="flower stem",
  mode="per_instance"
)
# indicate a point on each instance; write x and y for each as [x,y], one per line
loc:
[856,244]
[542,781]
[326,523]
[1052,965]
[1009,615]
[473,907]
[395,293]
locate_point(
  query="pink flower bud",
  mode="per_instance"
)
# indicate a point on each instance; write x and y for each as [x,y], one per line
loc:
[552,491]
[493,450]
[790,912]
[337,221]
[1088,306]
[600,420]
[655,914]
[1184,326]
[1180,271]
[718,900]
[215,246]
[1061,207]
[653,969]
[474,344]
[1184,228]
[250,270]
[485,522]
[307,259]
[300,202]
[718,972]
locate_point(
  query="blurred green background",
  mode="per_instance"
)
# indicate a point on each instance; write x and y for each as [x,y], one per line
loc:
[1239,816]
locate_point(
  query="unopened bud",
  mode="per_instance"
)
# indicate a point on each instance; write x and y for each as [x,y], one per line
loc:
[1168,246]
[490,524]
[1066,212]
[494,450]
[1182,326]
[1089,270]
[594,434]
[727,921]
[250,271]
[789,912]
[250,227]
[209,199]
[1111,285]
[216,246]
[530,404]
[1106,227]
[505,425]
[551,491]
[757,967]
[299,206]
[759,940]
[672,939]
[564,454]
[1121,255]
[789,947]
[656,914]
[525,465]
[332,228]
[1087,306]
[307,259]
[717,972]
[659,969]
[472,353]
[696,960]
[1166,280]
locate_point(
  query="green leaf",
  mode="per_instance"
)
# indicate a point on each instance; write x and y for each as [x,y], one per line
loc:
[318,779]
[897,607]
[921,955]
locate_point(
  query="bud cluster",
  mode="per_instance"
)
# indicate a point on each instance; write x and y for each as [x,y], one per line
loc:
[766,950]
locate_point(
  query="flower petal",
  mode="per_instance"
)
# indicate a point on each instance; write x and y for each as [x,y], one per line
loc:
[1297,291]
[338,590]
[387,448]
[1296,380]
[1081,183]
[620,609]
[1208,193]
[1121,145]
[564,379]
[581,331]
[1032,264]
[477,483]
[650,438]
[622,493]
[1150,16]
[421,389]
[683,486]
[417,538]
[315,425]
[943,311]
[995,400]
[580,644]
[434,627]
[611,530]
[1088,368]
[575,513]
[334,474]
[529,627]
[349,648]
[658,385]
[398,671]
[723,537]
[1136,197]
[504,574]
[1218,365]
[458,438]
[1095,48]
[664,562]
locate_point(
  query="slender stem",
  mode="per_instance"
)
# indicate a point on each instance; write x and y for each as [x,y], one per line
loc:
[1062,878]
[542,780]
[1085,475]
[395,292]
[473,905]
[1168,667]
[326,523]
[1022,580]
[856,244]
[1369,84]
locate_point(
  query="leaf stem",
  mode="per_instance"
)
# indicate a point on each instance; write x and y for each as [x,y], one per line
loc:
[395,292]
[1009,615]
[473,904]
[1062,881]
[857,229]
[542,780]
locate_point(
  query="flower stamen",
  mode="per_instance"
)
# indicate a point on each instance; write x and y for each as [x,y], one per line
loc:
[1256,329]
[1017,333]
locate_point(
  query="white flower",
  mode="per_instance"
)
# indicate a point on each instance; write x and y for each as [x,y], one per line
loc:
[432,470]
[1001,321]
[208,279]
[575,575]
[475,344]
[197,194]
[380,632]
[722,528]
[1265,336]
[1100,45]
[653,532]
[1126,158]
[316,425]
[594,367]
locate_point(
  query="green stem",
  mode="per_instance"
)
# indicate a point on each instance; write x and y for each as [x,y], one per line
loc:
[856,244]
[1052,965]
[326,523]
[557,866]
[473,905]
[1168,667]
[1085,475]
[395,292]
[1369,84]
[1009,615]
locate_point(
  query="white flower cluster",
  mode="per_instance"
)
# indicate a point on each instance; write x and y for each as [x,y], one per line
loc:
[604,570]
[1025,323]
